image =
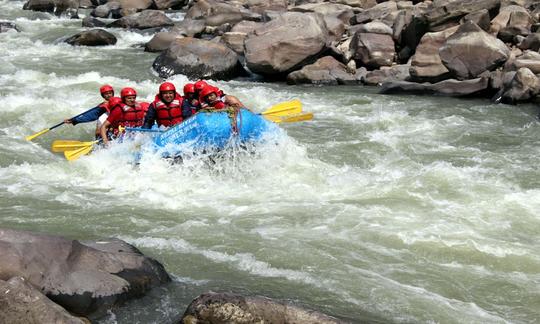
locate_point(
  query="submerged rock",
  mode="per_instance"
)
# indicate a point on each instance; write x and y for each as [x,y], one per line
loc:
[94,37]
[82,277]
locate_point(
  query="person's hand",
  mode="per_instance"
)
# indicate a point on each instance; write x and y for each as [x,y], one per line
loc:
[68,121]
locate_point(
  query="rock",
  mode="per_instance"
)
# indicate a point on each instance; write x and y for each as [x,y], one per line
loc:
[6,26]
[80,278]
[480,17]
[286,43]
[234,41]
[58,7]
[375,27]
[214,308]
[512,20]
[407,32]
[169,4]
[339,11]
[471,51]
[531,42]
[260,6]
[387,73]
[529,60]
[160,42]
[203,9]
[93,37]
[450,11]
[326,70]
[20,303]
[523,87]
[364,4]
[373,50]
[40,5]
[457,88]
[92,22]
[245,27]
[135,5]
[385,12]
[143,20]
[397,87]
[198,59]
[189,28]
[426,64]
[106,10]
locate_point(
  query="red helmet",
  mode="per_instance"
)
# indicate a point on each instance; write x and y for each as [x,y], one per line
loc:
[189,88]
[106,88]
[208,90]
[199,85]
[114,101]
[167,86]
[128,92]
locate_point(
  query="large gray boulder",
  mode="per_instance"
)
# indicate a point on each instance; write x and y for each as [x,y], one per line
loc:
[524,86]
[450,11]
[385,12]
[326,70]
[471,51]
[219,308]
[530,60]
[93,37]
[531,42]
[160,42]
[169,4]
[286,43]
[426,64]
[58,7]
[510,22]
[373,50]
[82,277]
[198,59]
[451,87]
[143,20]
[20,303]
[387,73]
[106,10]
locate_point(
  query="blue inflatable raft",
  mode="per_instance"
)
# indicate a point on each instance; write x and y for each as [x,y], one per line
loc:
[211,130]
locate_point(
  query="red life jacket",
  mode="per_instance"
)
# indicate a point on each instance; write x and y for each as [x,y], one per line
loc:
[105,105]
[130,116]
[171,114]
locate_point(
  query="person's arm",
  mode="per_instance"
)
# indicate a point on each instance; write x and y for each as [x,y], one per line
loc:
[187,109]
[103,131]
[149,117]
[90,115]
[233,101]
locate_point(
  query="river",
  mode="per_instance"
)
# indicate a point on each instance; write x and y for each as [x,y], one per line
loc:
[384,209]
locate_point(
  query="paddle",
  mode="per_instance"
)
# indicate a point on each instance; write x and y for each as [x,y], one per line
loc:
[283,109]
[67,145]
[31,137]
[294,118]
[75,154]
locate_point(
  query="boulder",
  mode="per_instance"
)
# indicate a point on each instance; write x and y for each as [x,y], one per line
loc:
[20,303]
[286,43]
[529,60]
[375,27]
[470,51]
[135,5]
[260,6]
[373,50]
[511,21]
[385,12]
[339,11]
[93,37]
[524,86]
[234,41]
[82,277]
[426,64]
[160,42]
[203,9]
[169,4]
[214,308]
[407,31]
[92,22]
[362,4]
[326,70]
[6,26]
[450,11]
[143,20]
[245,27]
[106,10]
[189,27]
[40,5]
[58,7]
[197,59]
[480,17]
[387,73]
[455,88]
[397,87]
[531,42]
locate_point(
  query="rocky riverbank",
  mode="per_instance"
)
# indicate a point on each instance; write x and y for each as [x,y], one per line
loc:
[483,48]
[51,279]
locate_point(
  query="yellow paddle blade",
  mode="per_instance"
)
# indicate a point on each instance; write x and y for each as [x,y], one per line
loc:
[75,154]
[31,137]
[284,108]
[68,145]
[295,118]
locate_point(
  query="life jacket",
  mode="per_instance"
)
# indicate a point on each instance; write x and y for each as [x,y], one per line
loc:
[168,115]
[105,105]
[130,116]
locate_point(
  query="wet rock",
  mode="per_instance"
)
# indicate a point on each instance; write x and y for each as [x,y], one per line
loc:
[6,26]
[455,88]
[286,43]
[160,42]
[20,303]
[470,51]
[426,64]
[326,70]
[58,7]
[198,59]
[524,86]
[217,308]
[40,5]
[169,4]
[373,50]
[92,22]
[387,73]
[83,278]
[446,13]
[143,20]
[93,37]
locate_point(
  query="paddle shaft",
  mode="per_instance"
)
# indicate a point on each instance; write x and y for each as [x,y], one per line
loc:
[31,137]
